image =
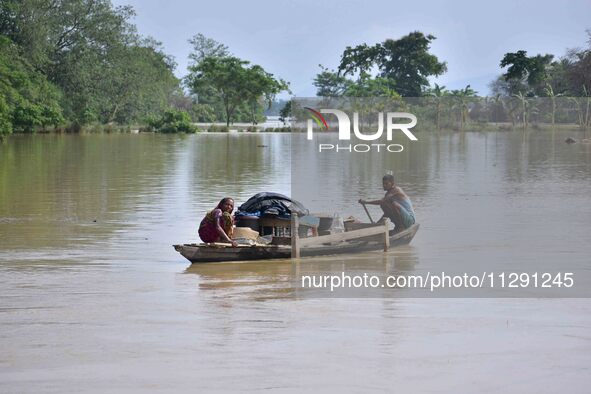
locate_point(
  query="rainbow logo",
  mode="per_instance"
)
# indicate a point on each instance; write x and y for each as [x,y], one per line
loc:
[317,116]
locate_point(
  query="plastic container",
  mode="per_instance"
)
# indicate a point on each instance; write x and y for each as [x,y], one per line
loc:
[337,225]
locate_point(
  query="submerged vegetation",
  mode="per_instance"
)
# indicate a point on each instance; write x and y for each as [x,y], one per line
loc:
[81,64]
[172,121]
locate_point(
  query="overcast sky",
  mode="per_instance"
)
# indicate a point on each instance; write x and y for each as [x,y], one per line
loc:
[290,38]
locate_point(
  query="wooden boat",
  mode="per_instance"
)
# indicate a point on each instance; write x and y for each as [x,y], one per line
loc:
[216,252]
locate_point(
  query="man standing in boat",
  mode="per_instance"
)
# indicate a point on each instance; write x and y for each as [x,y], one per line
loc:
[396,205]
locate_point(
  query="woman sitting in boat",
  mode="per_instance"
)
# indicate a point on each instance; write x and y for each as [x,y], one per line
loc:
[218,225]
[395,204]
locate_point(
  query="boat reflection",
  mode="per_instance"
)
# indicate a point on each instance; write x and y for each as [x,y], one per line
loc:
[282,279]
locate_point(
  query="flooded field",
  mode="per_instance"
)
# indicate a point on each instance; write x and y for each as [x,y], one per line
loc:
[94,298]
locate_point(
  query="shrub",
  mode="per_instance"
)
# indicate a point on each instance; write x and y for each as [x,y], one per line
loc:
[28,101]
[218,129]
[5,121]
[173,121]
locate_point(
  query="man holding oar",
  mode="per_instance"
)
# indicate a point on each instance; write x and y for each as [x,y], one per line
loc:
[396,205]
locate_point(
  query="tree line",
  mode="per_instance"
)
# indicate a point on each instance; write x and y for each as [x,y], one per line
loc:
[77,62]
[74,63]
[81,62]
[532,90]
[402,68]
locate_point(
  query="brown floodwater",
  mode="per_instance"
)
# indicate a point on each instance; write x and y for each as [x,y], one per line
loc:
[93,297]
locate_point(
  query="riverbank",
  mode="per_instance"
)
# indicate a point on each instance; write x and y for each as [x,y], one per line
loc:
[220,127]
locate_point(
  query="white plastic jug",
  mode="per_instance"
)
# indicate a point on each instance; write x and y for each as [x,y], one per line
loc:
[338,226]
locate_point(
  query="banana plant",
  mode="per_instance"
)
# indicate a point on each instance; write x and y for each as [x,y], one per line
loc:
[550,93]
[577,104]
[461,98]
[524,108]
[587,114]
[438,92]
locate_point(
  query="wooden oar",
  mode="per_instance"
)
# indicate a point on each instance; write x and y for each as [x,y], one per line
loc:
[366,211]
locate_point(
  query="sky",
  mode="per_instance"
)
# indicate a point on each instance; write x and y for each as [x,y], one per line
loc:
[291,38]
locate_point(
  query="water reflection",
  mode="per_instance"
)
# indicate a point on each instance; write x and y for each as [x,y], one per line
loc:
[278,279]
[67,190]
[77,197]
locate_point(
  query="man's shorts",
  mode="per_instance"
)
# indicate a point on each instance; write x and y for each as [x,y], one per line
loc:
[408,218]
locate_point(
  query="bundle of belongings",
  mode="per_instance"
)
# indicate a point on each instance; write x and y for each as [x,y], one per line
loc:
[271,205]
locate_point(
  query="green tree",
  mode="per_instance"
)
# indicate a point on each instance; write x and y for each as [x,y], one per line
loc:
[329,83]
[261,88]
[5,118]
[27,99]
[569,76]
[234,83]
[405,62]
[578,69]
[368,86]
[204,47]
[286,112]
[141,82]
[527,74]
[91,51]
[202,113]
